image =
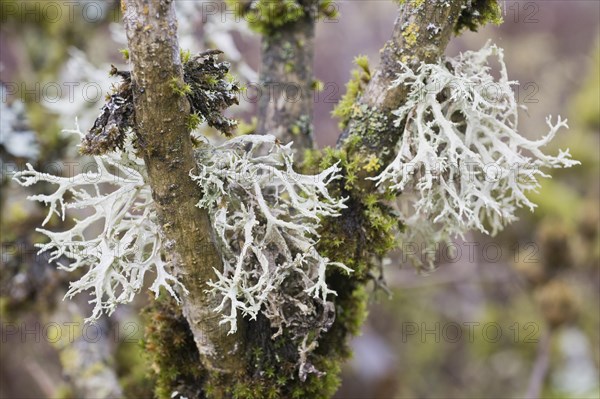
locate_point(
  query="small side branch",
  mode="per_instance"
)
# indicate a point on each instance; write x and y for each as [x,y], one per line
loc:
[285,108]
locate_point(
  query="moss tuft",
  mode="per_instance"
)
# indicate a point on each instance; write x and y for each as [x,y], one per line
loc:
[179,87]
[268,16]
[361,76]
[167,343]
[480,13]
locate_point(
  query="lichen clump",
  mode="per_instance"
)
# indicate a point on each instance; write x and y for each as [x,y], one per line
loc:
[461,163]
[266,217]
[115,120]
[212,90]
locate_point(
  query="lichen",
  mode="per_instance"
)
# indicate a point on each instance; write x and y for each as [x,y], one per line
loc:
[115,120]
[211,89]
[461,164]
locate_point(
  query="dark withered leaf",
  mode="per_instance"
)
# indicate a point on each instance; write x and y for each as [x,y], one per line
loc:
[115,119]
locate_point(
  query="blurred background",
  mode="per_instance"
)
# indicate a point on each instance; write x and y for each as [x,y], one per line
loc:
[498,316]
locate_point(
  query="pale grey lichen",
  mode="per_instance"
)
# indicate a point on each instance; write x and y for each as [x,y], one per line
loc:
[117,201]
[266,217]
[461,163]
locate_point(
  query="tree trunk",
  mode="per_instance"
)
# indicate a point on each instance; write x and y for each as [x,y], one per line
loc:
[163,138]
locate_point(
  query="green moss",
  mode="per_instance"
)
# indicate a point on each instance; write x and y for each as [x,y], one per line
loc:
[267,16]
[317,85]
[480,13]
[185,55]
[289,67]
[361,76]
[179,87]
[367,225]
[171,350]
[125,53]
[410,34]
[194,121]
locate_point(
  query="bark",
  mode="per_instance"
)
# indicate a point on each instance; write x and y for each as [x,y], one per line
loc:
[164,140]
[285,108]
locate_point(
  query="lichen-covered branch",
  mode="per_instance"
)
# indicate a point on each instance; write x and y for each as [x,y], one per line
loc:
[421,33]
[162,116]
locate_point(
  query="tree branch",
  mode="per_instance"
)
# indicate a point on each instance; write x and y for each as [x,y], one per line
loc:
[421,33]
[162,135]
[285,108]
[540,367]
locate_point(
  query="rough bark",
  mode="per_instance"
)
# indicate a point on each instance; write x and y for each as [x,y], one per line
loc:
[164,139]
[285,108]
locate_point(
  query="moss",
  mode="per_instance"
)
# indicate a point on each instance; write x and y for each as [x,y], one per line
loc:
[317,85]
[480,13]
[268,16]
[179,87]
[194,121]
[372,164]
[367,225]
[289,67]
[185,55]
[170,347]
[361,76]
